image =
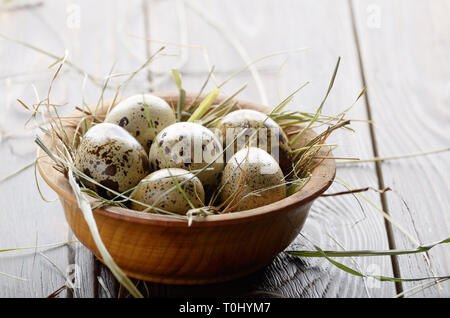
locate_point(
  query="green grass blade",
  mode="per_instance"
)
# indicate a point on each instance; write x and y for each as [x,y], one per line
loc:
[36,247]
[182,93]
[176,78]
[378,277]
[258,60]
[12,276]
[385,215]
[412,155]
[202,88]
[319,110]
[204,106]
[17,171]
[85,208]
[420,249]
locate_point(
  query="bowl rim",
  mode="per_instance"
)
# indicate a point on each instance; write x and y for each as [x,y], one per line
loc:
[322,178]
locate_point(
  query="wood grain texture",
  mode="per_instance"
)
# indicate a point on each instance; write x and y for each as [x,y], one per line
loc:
[92,46]
[263,28]
[405,51]
[25,219]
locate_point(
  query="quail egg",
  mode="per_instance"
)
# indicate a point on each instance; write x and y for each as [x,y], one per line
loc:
[238,126]
[111,156]
[252,178]
[188,146]
[153,190]
[132,115]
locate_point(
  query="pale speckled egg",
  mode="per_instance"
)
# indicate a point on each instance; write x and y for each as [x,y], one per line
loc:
[132,115]
[153,188]
[270,136]
[263,177]
[189,146]
[111,156]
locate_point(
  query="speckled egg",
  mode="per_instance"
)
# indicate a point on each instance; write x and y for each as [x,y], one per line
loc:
[111,156]
[131,115]
[153,188]
[262,179]
[188,146]
[269,137]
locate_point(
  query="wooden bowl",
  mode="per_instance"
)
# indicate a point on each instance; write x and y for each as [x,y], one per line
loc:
[163,249]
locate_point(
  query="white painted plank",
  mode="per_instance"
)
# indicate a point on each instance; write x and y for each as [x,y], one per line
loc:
[405,50]
[95,35]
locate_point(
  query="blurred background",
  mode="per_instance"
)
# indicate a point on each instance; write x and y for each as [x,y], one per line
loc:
[398,49]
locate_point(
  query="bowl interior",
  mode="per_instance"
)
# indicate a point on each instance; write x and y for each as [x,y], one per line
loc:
[322,177]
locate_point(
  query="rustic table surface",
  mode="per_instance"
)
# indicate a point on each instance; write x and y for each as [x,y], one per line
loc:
[398,49]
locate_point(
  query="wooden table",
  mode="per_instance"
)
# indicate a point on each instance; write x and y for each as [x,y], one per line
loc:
[399,49]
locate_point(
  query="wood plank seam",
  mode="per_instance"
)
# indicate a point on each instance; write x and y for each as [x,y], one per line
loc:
[71,252]
[381,185]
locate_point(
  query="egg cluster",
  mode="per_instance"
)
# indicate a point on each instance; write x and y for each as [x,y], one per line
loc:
[166,166]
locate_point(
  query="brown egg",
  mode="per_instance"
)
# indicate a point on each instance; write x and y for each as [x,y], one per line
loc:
[266,134]
[131,114]
[188,146]
[153,191]
[257,174]
[112,157]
